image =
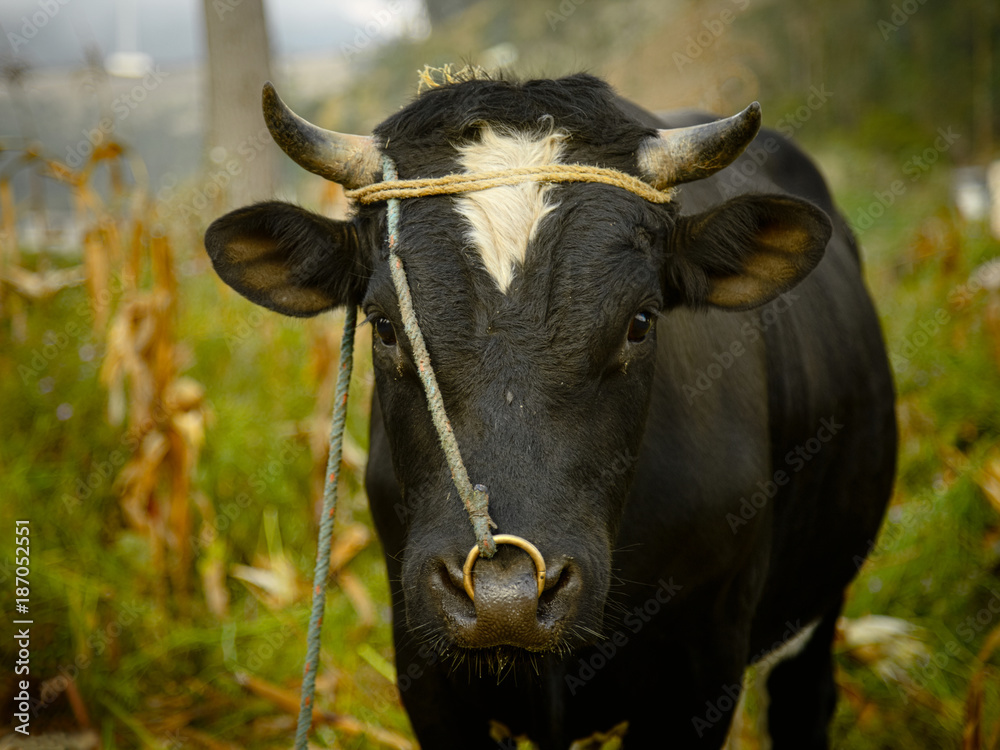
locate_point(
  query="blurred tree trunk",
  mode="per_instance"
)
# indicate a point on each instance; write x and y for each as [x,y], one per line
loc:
[239,62]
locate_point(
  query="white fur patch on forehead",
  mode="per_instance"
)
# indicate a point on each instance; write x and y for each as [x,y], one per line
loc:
[503,220]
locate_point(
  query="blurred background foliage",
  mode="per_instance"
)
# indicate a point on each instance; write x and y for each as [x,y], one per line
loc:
[167,439]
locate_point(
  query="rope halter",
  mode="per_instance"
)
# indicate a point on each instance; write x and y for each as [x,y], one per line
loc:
[472,182]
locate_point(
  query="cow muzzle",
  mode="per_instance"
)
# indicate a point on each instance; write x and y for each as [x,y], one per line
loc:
[512,599]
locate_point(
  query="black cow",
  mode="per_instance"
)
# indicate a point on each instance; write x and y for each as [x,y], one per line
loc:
[685,406]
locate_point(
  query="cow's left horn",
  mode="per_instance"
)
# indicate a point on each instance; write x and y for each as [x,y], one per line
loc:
[683,154]
[351,160]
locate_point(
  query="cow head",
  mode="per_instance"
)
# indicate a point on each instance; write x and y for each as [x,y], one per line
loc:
[539,305]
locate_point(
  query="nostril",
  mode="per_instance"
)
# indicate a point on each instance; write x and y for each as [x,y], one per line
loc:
[561,581]
[449,578]
[447,593]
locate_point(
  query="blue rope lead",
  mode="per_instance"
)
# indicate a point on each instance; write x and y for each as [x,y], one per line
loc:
[326,527]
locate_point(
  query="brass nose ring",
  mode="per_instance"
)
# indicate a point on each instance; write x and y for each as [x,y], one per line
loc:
[531,549]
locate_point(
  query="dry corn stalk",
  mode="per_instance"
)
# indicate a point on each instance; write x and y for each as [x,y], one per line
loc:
[166,417]
[973,731]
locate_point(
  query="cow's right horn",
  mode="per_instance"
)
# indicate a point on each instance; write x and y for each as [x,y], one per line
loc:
[351,160]
[681,155]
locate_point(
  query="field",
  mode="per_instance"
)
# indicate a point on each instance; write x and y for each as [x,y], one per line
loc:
[166,440]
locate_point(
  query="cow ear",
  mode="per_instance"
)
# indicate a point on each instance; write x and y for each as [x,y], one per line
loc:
[287,259]
[746,251]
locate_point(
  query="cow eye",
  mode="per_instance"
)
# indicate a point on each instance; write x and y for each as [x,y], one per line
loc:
[386,333]
[640,326]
